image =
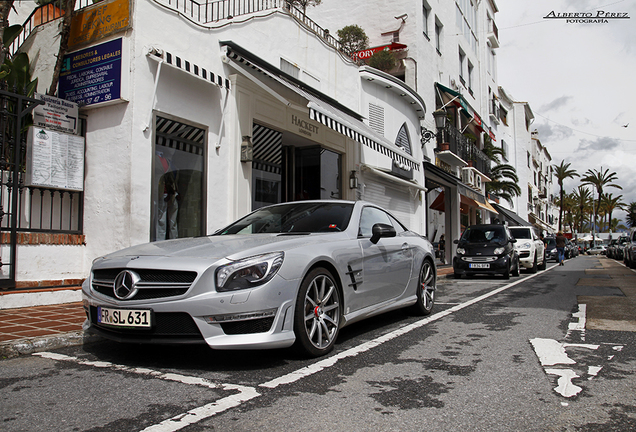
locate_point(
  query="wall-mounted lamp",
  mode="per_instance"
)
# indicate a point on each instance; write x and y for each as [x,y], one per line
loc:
[247,149]
[427,135]
[353,180]
[440,118]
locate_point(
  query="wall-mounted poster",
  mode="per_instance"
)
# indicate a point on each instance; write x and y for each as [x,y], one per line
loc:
[55,159]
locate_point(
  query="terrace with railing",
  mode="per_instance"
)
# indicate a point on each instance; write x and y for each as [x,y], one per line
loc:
[465,148]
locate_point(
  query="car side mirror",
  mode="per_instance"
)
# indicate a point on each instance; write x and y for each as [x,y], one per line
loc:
[513,240]
[380,231]
[456,241]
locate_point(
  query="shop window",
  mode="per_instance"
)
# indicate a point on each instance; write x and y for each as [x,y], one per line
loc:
[177,180]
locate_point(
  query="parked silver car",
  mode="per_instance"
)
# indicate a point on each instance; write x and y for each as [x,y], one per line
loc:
[289,273]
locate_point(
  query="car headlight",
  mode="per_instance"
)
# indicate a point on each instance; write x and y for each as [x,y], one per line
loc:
[461,251]
[499,251]
[525,246]
[249,272]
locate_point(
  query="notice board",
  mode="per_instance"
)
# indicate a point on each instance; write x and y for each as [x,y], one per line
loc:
[55,160]
[92,75]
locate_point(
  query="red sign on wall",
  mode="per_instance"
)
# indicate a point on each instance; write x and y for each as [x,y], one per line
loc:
[367,53]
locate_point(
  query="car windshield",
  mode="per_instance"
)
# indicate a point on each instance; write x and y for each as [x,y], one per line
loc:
[520,233]
[307,217]
[484,235]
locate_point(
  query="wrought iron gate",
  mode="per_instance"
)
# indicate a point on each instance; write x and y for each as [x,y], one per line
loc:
[14,109]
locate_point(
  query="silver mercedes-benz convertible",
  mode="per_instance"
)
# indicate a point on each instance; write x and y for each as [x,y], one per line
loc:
[292,273]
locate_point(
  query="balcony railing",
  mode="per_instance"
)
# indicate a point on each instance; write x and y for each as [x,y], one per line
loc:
[201,12]
[464,148]
[41,16]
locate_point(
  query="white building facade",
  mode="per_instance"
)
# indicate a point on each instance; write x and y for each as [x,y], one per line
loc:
[446,51]
[218,114]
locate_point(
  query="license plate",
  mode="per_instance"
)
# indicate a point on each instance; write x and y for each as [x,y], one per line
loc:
[480,266]
[124,317]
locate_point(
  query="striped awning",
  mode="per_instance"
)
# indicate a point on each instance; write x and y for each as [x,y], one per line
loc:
[321,107]
[189,67]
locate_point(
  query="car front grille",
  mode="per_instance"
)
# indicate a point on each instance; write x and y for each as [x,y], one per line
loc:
[524,254]
[165,325]
[153,284]
[480,259]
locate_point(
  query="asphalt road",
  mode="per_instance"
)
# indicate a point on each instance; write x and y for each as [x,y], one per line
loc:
[495,355]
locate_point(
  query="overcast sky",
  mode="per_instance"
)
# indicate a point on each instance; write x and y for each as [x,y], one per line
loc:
[579,79]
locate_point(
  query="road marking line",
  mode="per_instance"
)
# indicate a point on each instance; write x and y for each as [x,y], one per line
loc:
[181,420]
[247,393]
[353,352]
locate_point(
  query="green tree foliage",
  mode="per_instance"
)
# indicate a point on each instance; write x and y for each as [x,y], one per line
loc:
[383,60]
[302,4]
[353,38]
[600,180]
[563,172]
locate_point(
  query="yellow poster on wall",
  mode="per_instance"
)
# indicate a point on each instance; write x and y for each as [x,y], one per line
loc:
[98,21]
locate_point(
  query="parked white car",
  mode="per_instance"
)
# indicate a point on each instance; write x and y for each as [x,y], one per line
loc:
[530,248]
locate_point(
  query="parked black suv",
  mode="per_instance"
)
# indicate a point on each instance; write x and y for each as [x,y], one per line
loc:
[486,249]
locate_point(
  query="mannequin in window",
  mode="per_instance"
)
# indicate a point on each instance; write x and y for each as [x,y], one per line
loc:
[168,197]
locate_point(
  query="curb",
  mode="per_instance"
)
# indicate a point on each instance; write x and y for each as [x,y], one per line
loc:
[16,348]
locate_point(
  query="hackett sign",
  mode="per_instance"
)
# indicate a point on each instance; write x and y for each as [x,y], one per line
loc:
[304,127]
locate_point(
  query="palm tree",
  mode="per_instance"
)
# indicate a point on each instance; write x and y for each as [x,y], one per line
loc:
[599,179]
[504,179]
[504,182]
[609,204]
[563,171]
[582,198]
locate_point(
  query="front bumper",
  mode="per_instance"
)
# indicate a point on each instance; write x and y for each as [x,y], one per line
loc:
[526,258]
[185,320]
[468,265]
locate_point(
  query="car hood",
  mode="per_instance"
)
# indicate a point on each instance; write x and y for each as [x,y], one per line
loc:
[227,246]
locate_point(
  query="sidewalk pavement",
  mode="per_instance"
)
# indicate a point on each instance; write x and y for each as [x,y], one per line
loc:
[29,329]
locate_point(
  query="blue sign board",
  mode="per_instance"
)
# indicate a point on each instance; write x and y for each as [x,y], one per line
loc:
[92,75]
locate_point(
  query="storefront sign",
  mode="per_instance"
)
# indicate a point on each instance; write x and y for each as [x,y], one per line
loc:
[304,127]
[56,114]
[367,53]
[55,160]
[98,21]
[92,75]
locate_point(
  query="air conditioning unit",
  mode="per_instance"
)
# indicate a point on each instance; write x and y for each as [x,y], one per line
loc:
[468,177]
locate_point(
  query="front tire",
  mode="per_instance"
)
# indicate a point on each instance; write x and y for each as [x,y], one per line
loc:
[317,313]
[426,287]
[534,265]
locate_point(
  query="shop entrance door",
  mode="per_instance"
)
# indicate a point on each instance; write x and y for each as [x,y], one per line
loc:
[289,168]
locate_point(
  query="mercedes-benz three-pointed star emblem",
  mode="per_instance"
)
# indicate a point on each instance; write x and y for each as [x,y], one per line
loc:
[125,286]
